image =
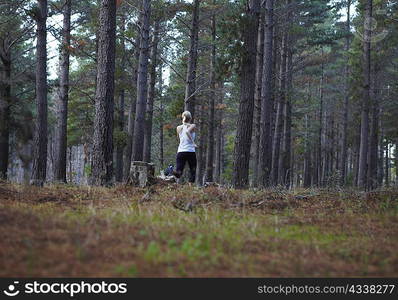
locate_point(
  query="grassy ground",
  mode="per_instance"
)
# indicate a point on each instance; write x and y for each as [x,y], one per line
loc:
[180,231]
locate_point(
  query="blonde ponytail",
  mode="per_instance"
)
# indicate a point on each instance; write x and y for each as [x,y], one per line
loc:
[186,116]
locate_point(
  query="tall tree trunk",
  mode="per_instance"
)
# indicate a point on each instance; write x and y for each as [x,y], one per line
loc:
[192,62]
[363,151]
[276,147]
[330,144]
[5,99]
[219,134]
[374,132]
[246,105]
[202,134]
[161,118]
[120,146]
[373,148]
[265,152]
[61,134]
[210,132]
[102,155]
[151,93]
[161,138]
[5,103]
[319,160]
[201,147]
[333,152]
[380,164]
[287,129]
[40,141]
[120,115]
[142,89]
[285,156]
[257,96]
[275,79]
[343,158]
[325,141]
[131,117]
[307,157]
[356,146]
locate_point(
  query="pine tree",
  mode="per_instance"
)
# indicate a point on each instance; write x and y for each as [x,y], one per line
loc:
[39,168]
[102,155]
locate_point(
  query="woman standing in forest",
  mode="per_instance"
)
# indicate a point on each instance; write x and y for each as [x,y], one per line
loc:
[186,148]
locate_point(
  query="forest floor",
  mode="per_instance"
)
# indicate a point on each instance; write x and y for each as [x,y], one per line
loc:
[179,231]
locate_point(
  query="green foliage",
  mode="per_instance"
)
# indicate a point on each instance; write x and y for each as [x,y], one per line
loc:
[120,137]
[87,170]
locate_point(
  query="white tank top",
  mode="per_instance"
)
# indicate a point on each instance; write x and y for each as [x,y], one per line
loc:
[185,143]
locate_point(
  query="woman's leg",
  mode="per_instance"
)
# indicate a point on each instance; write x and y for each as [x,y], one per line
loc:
[192,166]
[180,164]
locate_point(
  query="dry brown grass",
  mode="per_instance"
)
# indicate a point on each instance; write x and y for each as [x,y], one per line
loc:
[179,231]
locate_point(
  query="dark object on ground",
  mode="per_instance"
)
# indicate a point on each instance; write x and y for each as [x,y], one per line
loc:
[169,170]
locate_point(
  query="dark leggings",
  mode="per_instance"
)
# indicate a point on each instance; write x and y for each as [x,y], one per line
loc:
[189,157]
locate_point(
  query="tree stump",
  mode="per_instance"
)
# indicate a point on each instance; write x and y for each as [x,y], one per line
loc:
[142,174]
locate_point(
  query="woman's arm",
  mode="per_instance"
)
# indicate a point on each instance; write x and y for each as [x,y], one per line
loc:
[191,127]
[178,129]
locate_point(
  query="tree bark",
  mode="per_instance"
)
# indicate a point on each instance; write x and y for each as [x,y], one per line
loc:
[285,157]
[219,135]
[192,62]
[320,156]
[343,158]
[363,151]
[5,103]
[61,135]
[265,151]
[287,128]
[102,155]
[277,141]
[356,146]
[132,111]
[40,141]
[151,93]
[307,155]
[121,108]
[257,96]
[142,89]
[380,164]
[210,132]
[161,118]
[372,181]
[201,145]
[246,104]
